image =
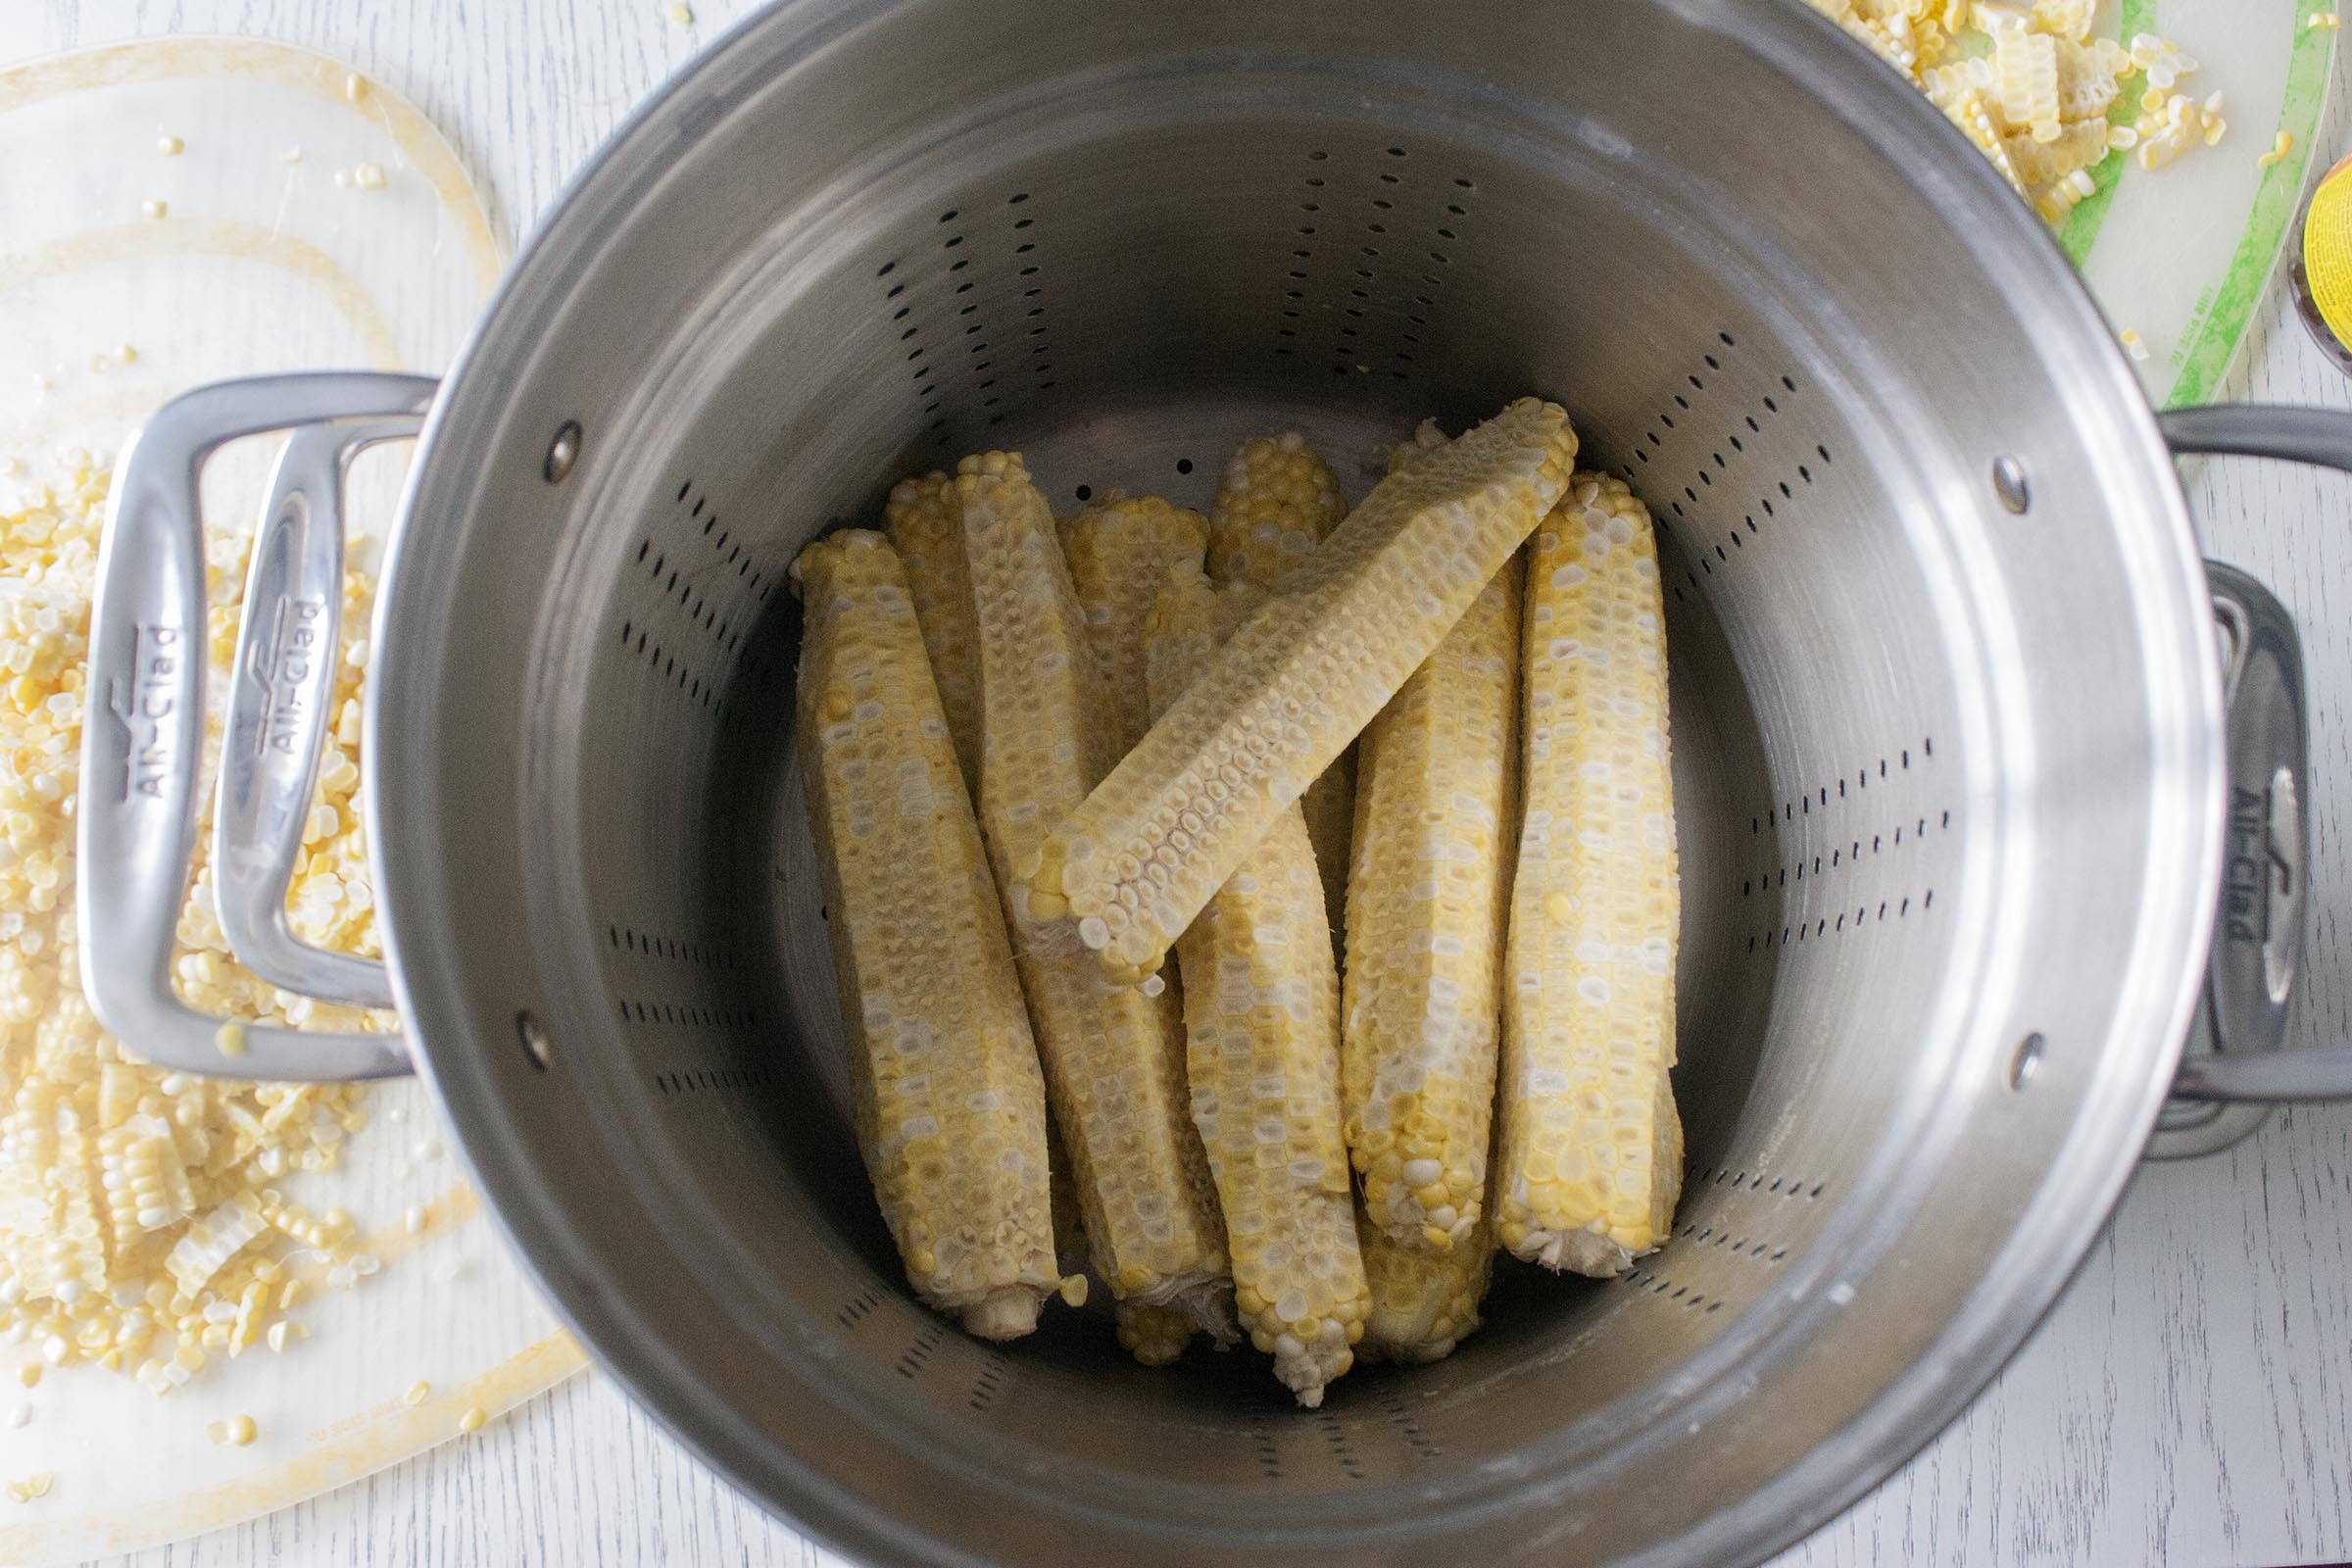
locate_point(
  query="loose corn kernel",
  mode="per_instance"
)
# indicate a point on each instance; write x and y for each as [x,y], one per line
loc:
[29,1373]
[170,146]
[354,87]
[2324,19]
[154,208]
[2280,148]
[237,1432]
[417,1393]
[369,176]
[679,15]
[473,1419]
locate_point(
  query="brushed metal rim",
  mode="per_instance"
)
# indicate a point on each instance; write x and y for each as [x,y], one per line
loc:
[430,964]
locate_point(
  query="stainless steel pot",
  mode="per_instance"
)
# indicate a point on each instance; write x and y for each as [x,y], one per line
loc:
[1949,725]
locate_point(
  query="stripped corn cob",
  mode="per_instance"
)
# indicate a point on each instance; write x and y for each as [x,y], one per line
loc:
[1112,1054]
[1142,853]
[951,1108]
[931,550]
[1119,552]
[1278,502]
[1261,1051]
[1589,1146]
[1424,1299]
[1426,901]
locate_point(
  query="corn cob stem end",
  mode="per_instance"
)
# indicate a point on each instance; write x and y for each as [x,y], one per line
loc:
[1002,1314]
[1587,1252]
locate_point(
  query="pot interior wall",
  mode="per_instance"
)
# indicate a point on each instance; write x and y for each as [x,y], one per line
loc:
[1345,282]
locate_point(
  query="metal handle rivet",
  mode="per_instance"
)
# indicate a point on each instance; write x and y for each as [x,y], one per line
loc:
[2027,1061]
[533,1038]
[2009,483]
[561,453]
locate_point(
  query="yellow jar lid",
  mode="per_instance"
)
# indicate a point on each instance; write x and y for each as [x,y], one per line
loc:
[2328,250]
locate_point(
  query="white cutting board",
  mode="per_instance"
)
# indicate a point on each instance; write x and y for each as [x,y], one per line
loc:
[2182,255]
[260,263]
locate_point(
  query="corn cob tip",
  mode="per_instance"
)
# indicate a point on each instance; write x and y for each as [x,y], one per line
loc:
[1153,1335]
[1307,1368]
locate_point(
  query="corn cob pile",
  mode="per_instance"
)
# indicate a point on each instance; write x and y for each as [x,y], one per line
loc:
[1145,714]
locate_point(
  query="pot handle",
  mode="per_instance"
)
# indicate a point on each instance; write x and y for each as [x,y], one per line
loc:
[143,738]
[2258,937]
[281,691]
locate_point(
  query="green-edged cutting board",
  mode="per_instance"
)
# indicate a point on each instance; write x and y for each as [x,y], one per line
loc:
[2180,254]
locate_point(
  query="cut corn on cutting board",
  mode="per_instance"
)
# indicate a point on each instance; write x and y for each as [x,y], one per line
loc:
[2180,256]
[175,212]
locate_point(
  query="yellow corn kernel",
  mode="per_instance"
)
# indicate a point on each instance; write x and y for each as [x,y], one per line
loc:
[1119,552]
[473,1419]
[237,1432]
[950,1107]
[1588,1143]
[1142,855]
[1112,1054]
[1280,500]
[417,1393]
[1261,998]
[1436,800]
[2284,144]
[930,551]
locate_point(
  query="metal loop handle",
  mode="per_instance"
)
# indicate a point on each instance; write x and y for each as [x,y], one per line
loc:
[143,741]
[2259,935]
[280,692]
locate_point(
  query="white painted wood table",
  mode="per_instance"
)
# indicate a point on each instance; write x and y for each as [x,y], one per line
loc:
[2188,1402]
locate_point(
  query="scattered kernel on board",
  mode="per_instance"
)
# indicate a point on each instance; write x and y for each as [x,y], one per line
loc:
[2022,81]
[140,1227]
[473,1419]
